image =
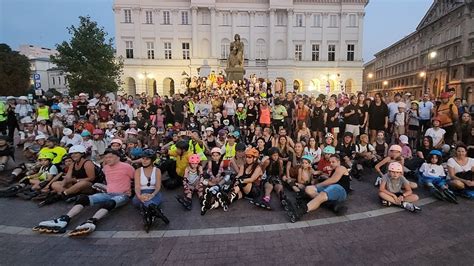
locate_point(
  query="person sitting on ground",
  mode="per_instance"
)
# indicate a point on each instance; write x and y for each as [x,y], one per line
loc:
[333,190]
[346,150]
[118,176]
[436,133]
[78,180]
[313,150]
[192,182]
[433,176]
[7,153]
[70,139]
[394,155]
[380,146]
[364,156]
[239,159]
[425,148]
[40,179]
[406,150]
[52,146]
[148,198]
[324,169]
[395,189]
[460,170]
[177,164]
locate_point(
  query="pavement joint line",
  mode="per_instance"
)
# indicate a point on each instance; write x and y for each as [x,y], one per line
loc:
[24,231]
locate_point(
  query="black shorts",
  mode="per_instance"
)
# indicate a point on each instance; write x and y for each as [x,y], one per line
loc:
[413,127]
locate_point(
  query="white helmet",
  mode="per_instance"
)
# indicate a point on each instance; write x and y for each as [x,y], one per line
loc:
[77,148]
[24,98]
[402,105]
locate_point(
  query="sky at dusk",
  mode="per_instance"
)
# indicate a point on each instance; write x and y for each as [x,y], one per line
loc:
[44,22]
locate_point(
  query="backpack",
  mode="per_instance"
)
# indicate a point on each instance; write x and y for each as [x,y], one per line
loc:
[99,174]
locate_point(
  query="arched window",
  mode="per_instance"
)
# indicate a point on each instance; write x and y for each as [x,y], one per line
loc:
[225,47]
[261,50]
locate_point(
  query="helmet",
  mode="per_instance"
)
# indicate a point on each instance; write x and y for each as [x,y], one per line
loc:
[329,150]
[436,152]
[97,131]
[40,136]
[110,123]
[273,150]
[234,134]
[395,167]
[136,152]
[308,157]
[67,131]
[45,155]
[183,145]
[221,132]
[119,124]
[77,148]
[395,148]
[240,105]
[348,134]
[194,159]
[132,131]
[252,152]
[119,141]
[215,150]
[133,122]
[240,147]
[415,102]
[403,139]
[23,98]
[85,133]
[329,135]
[149,153]
[55,107]
[263,95]
[402,105]
[53,139]
[210,129]
[10,98]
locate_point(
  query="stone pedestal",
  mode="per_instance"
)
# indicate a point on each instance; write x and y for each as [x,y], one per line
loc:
[235,73]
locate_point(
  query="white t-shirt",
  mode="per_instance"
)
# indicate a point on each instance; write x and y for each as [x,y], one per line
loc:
[367,148]
[458,168]
[436,135]
[76,140]
[316,154]
[432,170]
[393,109]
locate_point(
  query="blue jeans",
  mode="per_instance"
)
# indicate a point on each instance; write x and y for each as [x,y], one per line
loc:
[437,181]
[157,199]
[119,198]
[335,192]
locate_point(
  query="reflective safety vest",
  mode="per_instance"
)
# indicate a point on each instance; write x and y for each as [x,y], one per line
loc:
[3,115]
[229,151]
[197,150]
[43,113]
[191,107]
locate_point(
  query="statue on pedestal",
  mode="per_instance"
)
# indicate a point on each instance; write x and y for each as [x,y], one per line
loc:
[235,63]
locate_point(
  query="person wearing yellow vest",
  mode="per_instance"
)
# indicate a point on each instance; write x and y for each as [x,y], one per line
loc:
[52,146]
[176,168]
[42,111]
[191,106]
[228,149]
[197,146]
[3,118]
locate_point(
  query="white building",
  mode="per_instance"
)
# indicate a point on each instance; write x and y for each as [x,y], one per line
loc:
[50,76]
[313,44]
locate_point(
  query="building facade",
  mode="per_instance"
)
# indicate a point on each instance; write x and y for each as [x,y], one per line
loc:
[438,55]
[314,46]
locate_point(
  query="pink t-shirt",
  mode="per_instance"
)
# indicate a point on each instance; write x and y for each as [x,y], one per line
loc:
[119,177]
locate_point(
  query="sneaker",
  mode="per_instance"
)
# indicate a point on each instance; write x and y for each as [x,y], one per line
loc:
[60,222]
[410,207]
[378,181]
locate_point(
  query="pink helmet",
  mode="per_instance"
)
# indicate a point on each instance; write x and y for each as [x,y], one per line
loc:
[194,159]
[118,141]
[395,148]
[395,167]
[97,131]
[215,150]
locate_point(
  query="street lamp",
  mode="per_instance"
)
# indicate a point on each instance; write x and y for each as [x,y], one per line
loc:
[385,83]
[433,54]
[370,75]
[422,74]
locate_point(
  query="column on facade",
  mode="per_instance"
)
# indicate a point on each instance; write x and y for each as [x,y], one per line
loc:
[213,33]
[175,21]
[194,22]
[360,39]
[251,36]
[138,44]
[289,35]
[233,17]
[270,34]
[323,50]
[307,44]
[342,40]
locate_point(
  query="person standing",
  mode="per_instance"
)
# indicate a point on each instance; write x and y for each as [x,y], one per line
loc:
[426,113]
[378,116]
[448,115]
[351,118]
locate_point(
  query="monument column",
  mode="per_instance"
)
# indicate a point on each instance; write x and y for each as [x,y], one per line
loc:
[270,33]
[213,33]
[194,10]
[289,36]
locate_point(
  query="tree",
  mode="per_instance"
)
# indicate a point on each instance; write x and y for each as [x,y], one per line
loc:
[14,72]
[89,59]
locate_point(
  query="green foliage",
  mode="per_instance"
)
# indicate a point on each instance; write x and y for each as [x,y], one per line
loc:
[89,59]
[14,72]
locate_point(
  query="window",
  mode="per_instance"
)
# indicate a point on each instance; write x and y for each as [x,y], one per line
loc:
[54,81]
[352,20]
[315,52]
[225,46]
[298,52]
[166,18]
[150,50]
[332,52]
[280,19]
[206,18]
[128,49]
[167,50]
[260,48]
[455,52]
[184,18]
[148,17]
[128,15]
[299,20]
[350,52]
[59,80]
[244,19]
[225,19]
[472,48]
[185,46]
[317,20]
[333,21]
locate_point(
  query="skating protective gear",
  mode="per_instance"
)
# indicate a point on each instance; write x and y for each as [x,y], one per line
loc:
[118,141]
[252,152]
[77,149]
[46,155]
[308,157]
[83,200]
[194,159]
[85,133]
[109,205]
[215,150]
[97,131]
[329,135]
[149,153]
[436,152]
[395,167]
[329,150]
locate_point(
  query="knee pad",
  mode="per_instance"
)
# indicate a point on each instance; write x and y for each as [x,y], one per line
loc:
[109,205]
[83,200]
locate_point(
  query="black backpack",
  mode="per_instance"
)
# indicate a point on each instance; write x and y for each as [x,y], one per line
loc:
[99,174]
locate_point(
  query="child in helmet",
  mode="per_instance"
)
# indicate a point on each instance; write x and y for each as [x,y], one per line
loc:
[192,182]
[46,172]
[57,120]
[394,155]
[86,140]
[110,132]
[433,176]
[98,144]
[395,189]
[213,181]
[324,169]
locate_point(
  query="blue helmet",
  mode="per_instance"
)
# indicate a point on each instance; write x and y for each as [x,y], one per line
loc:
[55,107]
[85,133]
[436,152]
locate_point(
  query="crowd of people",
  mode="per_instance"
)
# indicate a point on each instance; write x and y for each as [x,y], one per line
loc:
[225,141]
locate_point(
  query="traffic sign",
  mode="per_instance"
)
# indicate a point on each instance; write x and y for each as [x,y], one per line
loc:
[36,76]
[38,85]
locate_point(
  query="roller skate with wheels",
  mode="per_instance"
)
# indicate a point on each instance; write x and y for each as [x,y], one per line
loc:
[224,200]
[186,202]
[158,213]
[85,228]
[437,193]
[296,212]
[147,218]
[450,196]
[55,226]
[263,203]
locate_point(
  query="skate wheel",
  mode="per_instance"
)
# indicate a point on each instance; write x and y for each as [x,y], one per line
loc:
[225,208]
[292,219]
[80,232]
